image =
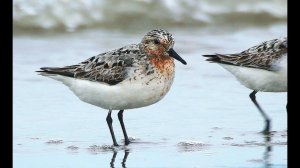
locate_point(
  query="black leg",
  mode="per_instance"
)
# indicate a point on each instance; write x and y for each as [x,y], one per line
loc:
[120,116]
[109,122]
[267,120]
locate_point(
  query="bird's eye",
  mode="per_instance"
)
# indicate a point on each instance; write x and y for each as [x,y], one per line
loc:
[156,41]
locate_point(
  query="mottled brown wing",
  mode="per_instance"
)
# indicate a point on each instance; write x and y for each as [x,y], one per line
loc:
[253,60]
[110,67]
[107,72]
[260,56]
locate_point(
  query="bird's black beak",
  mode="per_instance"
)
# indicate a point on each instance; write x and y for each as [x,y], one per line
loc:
[173,54]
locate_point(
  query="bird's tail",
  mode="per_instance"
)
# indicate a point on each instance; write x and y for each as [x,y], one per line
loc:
[212,58]
[52,71]
[64,75]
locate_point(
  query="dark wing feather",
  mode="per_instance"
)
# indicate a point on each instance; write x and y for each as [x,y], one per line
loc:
[261,56]
[110,67]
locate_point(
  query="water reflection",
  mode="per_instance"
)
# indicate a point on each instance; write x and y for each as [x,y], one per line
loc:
[268,150]
[113,159]
[125,158]
[112,162]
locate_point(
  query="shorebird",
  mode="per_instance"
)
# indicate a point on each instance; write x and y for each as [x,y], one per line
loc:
[133,76]
[259,68]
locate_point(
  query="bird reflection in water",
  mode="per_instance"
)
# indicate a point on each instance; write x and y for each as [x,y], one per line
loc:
[112,162]
[268,150]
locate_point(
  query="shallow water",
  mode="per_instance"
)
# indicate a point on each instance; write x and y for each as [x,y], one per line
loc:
[206,120]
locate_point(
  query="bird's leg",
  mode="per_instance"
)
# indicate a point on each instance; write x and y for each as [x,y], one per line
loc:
[267,120]
[109,122]
[120,116]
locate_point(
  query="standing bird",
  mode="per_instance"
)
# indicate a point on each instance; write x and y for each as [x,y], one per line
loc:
[133,76]
[259,68]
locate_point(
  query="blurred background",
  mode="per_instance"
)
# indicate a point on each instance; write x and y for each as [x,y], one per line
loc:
[206,119]
[142,15]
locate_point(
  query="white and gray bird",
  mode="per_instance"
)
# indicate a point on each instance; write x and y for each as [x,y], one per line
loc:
[130,77]
[259,68]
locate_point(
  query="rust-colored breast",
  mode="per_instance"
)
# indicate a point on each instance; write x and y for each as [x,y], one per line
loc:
[165,65]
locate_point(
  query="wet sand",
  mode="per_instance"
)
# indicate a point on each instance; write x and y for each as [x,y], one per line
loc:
[206,120]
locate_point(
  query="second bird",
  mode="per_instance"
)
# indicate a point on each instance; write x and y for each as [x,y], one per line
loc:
[259,68]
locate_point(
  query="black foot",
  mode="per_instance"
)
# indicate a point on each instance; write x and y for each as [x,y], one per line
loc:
[266,131]
[127,142]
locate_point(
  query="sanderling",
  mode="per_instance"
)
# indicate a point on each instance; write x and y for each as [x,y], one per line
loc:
[133,76]
[259,68]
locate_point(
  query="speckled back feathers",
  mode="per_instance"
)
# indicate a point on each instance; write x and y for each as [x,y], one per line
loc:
[260,56]
[112,67]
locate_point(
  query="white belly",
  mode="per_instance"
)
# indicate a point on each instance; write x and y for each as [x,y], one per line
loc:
[259,79]
[124,95]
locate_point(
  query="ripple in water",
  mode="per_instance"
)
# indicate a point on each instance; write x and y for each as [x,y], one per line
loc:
[191,145]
